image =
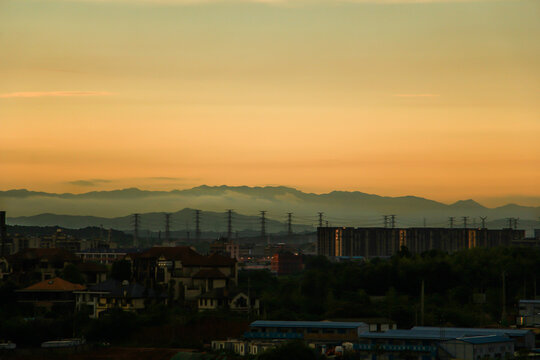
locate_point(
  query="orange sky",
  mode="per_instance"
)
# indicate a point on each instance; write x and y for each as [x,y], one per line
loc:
[433,98]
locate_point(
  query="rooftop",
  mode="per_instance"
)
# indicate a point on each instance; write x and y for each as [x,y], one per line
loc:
[308,324]
[485,339]
[55,284]
[442,333]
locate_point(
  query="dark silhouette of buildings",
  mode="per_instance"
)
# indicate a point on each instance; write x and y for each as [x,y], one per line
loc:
[384,242]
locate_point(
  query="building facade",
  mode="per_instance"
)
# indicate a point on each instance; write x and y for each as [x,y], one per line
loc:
[385,242]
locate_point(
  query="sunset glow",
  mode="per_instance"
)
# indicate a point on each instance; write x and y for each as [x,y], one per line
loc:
[439,99]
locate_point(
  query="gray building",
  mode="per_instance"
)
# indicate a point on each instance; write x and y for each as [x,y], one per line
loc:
[529,313]
[479,347]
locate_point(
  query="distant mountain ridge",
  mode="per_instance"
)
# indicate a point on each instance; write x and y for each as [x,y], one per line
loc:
[341,208]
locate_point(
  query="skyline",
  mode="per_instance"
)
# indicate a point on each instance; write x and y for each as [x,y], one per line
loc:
[438,99]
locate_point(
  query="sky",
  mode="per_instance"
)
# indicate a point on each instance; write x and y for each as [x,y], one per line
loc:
[435,98]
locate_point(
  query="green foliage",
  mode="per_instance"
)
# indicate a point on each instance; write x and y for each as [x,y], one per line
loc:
[121,270]
[391,288]
[72,274]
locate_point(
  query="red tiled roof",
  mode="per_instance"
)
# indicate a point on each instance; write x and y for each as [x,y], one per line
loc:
[209,274]
[55,284]
[186,255]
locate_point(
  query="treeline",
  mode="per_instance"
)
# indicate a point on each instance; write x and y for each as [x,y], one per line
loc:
[461,289]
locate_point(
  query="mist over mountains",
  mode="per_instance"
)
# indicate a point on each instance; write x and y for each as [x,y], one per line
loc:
[341,208]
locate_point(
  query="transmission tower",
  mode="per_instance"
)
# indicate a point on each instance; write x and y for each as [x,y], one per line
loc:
[198,224]
[167,227]
[483,219]
[451,221]
[321,219]
[392,221]
[289,224]
[385,221]
[136,224]
[229,224]
[263,224]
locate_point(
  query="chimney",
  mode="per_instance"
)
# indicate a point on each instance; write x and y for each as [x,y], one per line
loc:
[3,232]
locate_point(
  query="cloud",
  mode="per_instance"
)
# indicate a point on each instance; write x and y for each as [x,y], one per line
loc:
[37,94]
[90,182]
[416,95]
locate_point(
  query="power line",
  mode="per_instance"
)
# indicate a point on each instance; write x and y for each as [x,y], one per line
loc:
[483,219]
[263,224]
[198,224]
[229,224]
[136,224]
[167,227]
[289,224]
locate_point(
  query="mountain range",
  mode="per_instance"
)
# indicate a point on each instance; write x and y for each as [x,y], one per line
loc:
[340,208]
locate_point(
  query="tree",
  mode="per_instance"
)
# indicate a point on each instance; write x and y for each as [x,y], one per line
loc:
[72,274]
[121,270]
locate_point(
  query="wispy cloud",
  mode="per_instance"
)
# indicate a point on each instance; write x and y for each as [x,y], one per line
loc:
[416,95]
[37,94]
[90,182]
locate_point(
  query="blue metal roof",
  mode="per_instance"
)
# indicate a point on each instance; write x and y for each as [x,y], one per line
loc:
[308,324]
[529,301]
[473,331]
[407,335]
[485,339]
[441,333]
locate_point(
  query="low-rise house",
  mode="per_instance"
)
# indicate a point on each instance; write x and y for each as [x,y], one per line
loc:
[233,300]
[189,273]
[286,263]
[93,273]
[529,313]
[105,256]
[243,347]
[312,331]
[113,294]
[479,347]
[374,324]
[50,292]
[423,342]
[43,263]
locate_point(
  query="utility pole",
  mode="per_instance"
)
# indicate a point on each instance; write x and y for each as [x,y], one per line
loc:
[385,221]
[503,313]
[229,224]
[483,219]
[516,223]
[510,220]
[465,218]
[321,219]
[392,221]
[289,224]
[263,224]
[167,227]
[451,221]
[422,304]
[136,224]
[198,224]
